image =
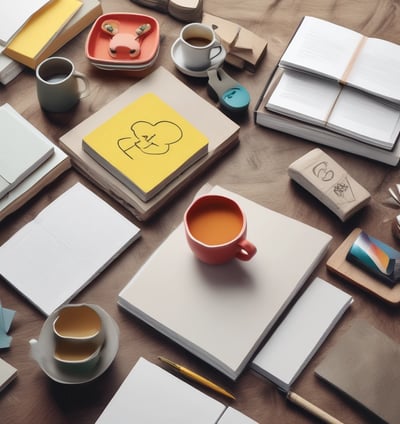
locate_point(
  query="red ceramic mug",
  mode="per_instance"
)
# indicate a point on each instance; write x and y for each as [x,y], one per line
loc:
[216,229]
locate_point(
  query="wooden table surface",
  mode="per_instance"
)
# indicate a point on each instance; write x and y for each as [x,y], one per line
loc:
[257,169]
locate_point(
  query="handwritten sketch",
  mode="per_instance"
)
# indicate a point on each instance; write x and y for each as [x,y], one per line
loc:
[150,139]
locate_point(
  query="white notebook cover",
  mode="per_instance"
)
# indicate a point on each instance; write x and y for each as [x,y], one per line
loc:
[22,149]
[222,313]
[64,248]
[150,395]
[300,334]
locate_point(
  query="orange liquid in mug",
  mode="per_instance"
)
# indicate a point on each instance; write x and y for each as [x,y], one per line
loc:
[215,224]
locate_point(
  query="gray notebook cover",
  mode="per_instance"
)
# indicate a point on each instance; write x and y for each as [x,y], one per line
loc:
[364,364]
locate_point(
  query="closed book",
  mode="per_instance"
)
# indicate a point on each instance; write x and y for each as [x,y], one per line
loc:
[41,29]
[222,313]
[317,133]
[222,134]
[146,145]
[364,365]
[300,334]
[150,394]
[68,244]
[87,14]
[22,149]
[42,175]
[342,109]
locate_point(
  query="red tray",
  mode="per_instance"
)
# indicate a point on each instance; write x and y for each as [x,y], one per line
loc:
[98,42]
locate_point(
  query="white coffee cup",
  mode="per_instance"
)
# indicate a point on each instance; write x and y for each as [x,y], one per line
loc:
[57,84]
[199,45]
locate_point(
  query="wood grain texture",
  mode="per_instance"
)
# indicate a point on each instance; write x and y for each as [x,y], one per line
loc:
[257,169]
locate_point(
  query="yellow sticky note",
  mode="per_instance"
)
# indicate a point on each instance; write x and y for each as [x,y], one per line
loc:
[146,145]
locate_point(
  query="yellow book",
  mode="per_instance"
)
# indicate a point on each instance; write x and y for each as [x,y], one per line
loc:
[40,31]
[146,145]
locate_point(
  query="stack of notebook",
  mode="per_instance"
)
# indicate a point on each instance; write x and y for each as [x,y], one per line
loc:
[28,161]
[169,145]
[336,87]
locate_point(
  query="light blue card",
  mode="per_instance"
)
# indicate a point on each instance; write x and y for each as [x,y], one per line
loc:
[6,318]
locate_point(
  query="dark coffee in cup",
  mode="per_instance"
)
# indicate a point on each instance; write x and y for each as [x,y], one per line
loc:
[198,41]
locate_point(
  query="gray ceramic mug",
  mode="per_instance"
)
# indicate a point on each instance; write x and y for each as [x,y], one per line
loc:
[57,84]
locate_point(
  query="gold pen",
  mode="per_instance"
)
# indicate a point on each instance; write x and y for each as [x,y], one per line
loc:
[196,377]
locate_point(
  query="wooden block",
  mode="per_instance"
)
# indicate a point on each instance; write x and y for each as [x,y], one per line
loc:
[338,264]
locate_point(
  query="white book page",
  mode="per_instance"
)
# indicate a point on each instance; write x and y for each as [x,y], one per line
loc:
[357,113]
[321,47]
[15,14]
[376,69]
[297,338]
[304,97]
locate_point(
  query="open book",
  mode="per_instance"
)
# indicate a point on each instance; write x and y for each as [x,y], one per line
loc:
[332,51]
[320,134]
[343,109]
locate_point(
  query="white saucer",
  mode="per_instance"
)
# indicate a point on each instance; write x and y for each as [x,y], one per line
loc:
[176,54]
[42,351]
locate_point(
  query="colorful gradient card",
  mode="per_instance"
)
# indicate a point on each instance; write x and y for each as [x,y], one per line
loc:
[376,257]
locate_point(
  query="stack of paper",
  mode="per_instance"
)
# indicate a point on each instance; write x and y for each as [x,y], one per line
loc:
[68,244]
[301,333]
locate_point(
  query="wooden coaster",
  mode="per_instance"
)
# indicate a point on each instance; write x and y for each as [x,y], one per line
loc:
[338,264]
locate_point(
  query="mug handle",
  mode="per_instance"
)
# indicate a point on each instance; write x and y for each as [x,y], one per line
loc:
[247,250]
[85,91]
[219,47]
